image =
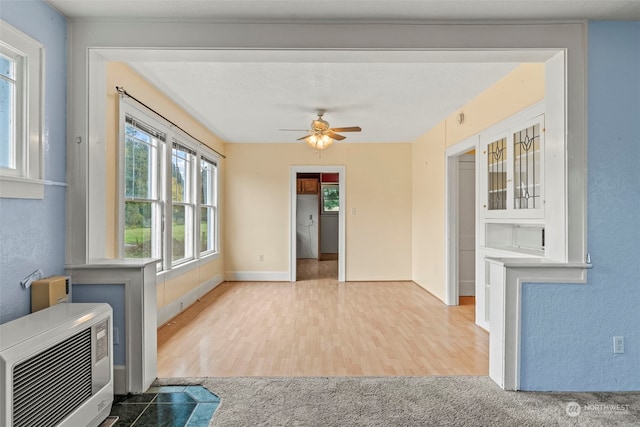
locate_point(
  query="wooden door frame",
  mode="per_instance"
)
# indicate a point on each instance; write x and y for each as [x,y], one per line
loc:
[294,171]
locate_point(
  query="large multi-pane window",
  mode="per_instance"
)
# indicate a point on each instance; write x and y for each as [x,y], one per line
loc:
[143,147]
[168,188]
[21,130]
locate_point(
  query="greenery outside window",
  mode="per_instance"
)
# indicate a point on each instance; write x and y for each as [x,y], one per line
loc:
[143,146]
[166,191]
[330,198]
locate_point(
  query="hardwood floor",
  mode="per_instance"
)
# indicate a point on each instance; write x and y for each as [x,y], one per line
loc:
[310,269]
[319,327]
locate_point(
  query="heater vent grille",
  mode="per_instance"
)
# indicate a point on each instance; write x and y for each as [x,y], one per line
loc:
[50,385]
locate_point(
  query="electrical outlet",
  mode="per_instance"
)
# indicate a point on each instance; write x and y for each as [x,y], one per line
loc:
[116,336]
[181,305]
[618,345]
[261,257]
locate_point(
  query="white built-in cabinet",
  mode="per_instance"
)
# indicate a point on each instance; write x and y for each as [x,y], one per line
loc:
[512,186]
[512,173]
[522,227]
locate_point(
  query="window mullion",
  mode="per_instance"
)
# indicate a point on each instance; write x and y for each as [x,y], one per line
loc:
[192,183]
[167,207]
[195,201]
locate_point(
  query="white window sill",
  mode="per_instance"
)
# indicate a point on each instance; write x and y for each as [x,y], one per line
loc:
[24,188]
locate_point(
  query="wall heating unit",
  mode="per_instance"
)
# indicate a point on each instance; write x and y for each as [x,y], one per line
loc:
[56,367]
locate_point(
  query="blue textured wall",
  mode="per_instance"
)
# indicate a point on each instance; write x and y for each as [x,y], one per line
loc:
[567,330]
[32,232]
[113,294]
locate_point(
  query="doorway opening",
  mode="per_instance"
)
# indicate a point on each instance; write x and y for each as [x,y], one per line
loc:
[317,223]
[317,208]
[461,218]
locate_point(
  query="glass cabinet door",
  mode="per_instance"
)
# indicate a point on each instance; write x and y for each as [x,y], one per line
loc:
[513,181]
[497,175]
[527,192]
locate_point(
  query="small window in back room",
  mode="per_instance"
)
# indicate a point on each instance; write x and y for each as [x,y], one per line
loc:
[330,198]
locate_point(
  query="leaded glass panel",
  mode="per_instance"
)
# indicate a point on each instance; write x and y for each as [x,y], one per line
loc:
[497,174]
[526,168]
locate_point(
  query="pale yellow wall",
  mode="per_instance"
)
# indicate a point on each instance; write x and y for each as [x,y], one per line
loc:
[378,187]
[170,290]
[518,90]
[119,74]
[428,265]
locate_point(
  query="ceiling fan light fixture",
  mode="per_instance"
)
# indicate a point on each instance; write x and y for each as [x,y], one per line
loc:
[320,125]
[322,136]
[319,142]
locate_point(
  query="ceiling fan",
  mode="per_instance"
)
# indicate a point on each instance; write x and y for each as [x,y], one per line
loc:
[321,135]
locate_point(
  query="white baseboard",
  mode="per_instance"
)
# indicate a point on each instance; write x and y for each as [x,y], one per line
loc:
[119,379]
[257,276]
[174,308]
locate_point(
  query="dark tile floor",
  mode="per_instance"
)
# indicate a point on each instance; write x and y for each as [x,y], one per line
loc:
[166,406]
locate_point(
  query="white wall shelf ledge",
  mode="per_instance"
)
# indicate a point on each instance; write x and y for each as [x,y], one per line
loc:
[536,263]
[115,263]
[505,277]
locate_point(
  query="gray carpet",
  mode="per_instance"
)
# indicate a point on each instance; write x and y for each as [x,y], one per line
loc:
[405,401]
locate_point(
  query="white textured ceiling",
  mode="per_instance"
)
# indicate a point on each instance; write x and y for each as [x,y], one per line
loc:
[248,96]
[250,102]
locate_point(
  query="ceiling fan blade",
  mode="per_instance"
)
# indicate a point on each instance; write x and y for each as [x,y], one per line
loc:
[294,130]
[347,129]
[335,136]
[304,137]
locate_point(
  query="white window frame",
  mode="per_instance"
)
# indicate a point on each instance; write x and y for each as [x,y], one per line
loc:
[173,135]
[188,203]
[213,232]
[157,173]
[26,180]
